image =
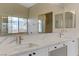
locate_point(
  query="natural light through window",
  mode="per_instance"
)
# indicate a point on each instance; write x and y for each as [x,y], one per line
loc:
[16,25]
[40,25]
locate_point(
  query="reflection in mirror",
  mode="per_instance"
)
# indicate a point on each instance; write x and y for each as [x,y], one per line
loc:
[70,20]
[66,20]
[59,20]
[12,25]
[45,23]
[4,29]
[41,24]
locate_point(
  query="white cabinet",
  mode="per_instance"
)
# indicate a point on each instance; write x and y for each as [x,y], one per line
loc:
[69,48]
[59,52]
[59,49]
[65,48]
[72,47]
[56,46]
[38,52]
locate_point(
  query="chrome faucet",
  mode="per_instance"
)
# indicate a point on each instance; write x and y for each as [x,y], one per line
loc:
[18,39]
[60,34]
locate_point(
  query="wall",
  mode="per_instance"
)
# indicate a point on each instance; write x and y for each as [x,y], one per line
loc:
[39,9]
[13,9]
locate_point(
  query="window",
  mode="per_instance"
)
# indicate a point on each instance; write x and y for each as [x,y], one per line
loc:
[16,25]
[40,26]
[9,25]
[22,25]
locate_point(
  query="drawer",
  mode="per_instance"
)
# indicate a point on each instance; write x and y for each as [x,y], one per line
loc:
[73,42]
[38,52]
[54,47]
[59,52]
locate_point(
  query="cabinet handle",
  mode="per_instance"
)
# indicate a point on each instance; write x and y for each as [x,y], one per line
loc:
[73,41]
[55,47]
[34,53]
[64,45]
[30,54]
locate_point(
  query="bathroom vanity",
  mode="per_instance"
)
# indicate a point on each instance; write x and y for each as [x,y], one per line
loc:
[65,48]
[41,45]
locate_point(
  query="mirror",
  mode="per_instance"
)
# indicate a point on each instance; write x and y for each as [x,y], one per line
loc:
[65,20]
[45,23]
[41,23]
[70,20]
[59,20]
[12,25]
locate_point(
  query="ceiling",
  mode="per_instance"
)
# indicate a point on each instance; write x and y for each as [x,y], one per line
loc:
[28,5]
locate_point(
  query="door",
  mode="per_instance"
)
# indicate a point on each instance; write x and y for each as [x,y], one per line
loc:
[48,22]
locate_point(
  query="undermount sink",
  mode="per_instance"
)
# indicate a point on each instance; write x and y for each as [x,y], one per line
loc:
[29,45]
[21,46]
[15,48]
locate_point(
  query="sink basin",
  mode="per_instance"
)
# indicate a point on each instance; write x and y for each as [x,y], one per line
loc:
[31,45]
[13,49]
[24,45]
[28,45]
[20,46]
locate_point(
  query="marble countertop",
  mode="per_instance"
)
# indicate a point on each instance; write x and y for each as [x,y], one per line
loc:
[39,41]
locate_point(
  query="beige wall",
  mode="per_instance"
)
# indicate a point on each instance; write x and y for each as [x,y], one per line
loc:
[43,8]
[13,9]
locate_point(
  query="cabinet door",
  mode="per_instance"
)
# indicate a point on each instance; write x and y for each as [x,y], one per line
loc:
[72,48]
[59,52]
[56,46]
[58,49]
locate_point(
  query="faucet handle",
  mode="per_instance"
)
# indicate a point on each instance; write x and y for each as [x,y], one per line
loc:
[20,38]
[61,34]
